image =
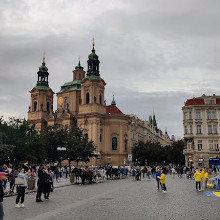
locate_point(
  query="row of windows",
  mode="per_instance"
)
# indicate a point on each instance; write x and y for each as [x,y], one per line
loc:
[35,106]
[114,142]
[212,129]
[88,98]
[213,145]
[210,115]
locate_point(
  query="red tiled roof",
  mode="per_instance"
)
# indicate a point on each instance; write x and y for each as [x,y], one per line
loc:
[195,101]
[113,109]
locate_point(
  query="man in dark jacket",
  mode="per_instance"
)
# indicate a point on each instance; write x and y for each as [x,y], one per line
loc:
[3,178]
[40,183]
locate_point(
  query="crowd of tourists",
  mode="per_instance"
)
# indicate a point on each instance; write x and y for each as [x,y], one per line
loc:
[46,175]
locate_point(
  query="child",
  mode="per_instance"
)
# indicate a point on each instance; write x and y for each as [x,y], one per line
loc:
[158,175]
[163,181]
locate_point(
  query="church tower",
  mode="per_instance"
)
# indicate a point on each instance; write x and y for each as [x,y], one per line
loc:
[41,108]
[93,87]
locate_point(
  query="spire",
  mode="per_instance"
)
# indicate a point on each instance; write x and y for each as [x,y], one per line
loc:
[79,67]
[43,74]
[44,57]
[113,101]
[93,44]
[93,62]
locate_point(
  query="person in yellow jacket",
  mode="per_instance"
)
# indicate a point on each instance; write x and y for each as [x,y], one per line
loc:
[198,178]
[163,181]
[205,178]
[202,172]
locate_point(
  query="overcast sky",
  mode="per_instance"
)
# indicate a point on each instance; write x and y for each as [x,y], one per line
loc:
[154,54]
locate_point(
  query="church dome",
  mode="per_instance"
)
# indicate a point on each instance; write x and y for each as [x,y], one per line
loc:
[93,55]
[43,68]
[78,67]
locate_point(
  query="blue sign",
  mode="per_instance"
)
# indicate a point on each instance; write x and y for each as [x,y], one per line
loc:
[214,161]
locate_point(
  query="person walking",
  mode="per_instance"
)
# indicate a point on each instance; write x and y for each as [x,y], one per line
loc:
[21,186]
[3,178]
[40,183]
[138,174]
[198,178]
[12,181]
[133,173]
[158,174]
[205,178]
[163,181]
[148,173]
[47,185]
[52,175]
[173,171]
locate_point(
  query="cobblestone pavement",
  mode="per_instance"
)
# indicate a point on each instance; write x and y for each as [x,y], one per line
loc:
[119,199]
[60,183]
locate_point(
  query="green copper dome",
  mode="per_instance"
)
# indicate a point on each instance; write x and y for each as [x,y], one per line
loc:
[78,67]
[43,68]
[113,101]
[93,55]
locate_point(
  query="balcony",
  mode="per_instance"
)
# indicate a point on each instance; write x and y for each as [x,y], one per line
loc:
[214,150]
[187,151]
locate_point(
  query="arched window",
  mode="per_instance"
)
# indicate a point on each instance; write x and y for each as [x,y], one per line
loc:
[95,99]
[48,106]
[114,143]
[100,98]
[35,106]
[87,98]
[126,144]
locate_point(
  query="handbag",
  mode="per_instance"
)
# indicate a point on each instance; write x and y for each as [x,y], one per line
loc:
[19,181]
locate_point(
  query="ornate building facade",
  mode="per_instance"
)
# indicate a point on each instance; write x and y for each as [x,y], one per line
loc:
[81,102]
[201,122]
[146,131]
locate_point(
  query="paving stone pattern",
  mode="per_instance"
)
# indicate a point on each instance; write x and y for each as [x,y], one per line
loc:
[119,199]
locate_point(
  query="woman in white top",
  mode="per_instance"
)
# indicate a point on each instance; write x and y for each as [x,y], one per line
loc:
[21,188]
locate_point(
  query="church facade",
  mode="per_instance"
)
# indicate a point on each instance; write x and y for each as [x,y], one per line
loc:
[81,102]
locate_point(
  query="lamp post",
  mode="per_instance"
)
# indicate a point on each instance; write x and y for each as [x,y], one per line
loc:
[60,149]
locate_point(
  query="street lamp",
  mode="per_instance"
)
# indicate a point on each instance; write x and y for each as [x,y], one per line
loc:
[61,149]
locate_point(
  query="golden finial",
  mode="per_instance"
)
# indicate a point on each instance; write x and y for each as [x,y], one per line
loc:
[44,57]
[93,41]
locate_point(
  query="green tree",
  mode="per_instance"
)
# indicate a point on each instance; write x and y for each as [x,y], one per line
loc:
[174,153]
[54,138]
[28,144]
[79,148]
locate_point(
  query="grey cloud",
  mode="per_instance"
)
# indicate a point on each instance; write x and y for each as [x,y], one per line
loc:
[154,54]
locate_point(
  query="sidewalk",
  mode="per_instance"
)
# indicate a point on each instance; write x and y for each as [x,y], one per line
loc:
[61,183]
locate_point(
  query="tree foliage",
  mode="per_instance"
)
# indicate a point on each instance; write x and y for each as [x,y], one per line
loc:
[79,148]
[154,153]
[27,144]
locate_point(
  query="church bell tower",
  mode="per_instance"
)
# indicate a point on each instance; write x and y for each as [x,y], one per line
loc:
[93,87]
[41,107]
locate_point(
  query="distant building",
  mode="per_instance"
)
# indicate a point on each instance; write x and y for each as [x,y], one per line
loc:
[146,131]
[201,117]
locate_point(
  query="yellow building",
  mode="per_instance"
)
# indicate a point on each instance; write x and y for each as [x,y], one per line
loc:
[81,102]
